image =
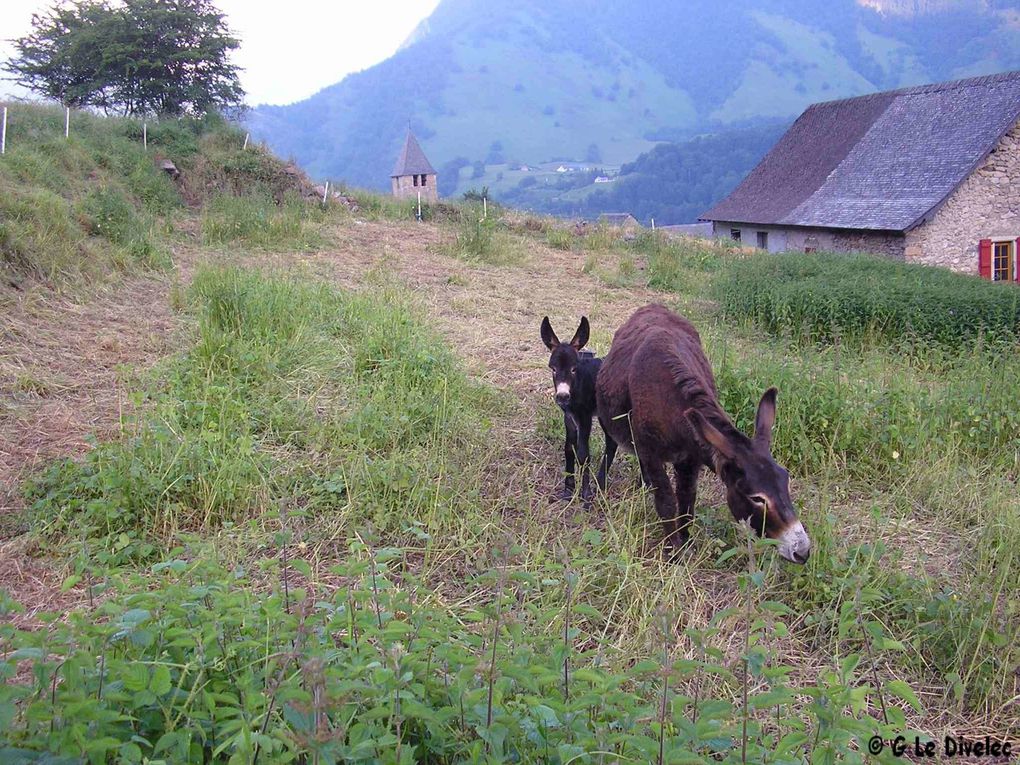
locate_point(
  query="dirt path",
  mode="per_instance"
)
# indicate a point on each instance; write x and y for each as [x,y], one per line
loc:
[491,315]
[65,374]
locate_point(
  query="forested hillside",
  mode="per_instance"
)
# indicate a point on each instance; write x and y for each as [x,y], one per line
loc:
[549,81]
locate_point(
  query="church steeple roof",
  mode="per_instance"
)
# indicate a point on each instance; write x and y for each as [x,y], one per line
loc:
[412,160]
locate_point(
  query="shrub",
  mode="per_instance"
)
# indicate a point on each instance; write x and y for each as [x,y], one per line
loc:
[195,663]
[859,298]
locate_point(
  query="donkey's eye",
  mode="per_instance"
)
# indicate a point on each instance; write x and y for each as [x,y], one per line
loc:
[759,501]
[573,370]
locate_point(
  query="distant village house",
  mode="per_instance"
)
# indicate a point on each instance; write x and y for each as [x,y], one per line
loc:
[929,174]
[603,179]
[413,173]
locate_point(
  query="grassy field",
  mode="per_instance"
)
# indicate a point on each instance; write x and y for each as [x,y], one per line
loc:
[318,529]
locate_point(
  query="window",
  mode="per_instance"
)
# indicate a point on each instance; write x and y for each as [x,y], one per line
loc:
[763,240]
[735,234]
[415,179]
[424,178]
[1003,259]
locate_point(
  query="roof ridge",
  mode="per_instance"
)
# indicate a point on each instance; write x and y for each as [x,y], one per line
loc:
[932,87]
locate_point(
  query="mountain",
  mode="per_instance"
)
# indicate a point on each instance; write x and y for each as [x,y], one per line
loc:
[489,86]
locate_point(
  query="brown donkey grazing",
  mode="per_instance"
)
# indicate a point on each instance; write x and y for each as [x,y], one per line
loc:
[657,397]
[574,373]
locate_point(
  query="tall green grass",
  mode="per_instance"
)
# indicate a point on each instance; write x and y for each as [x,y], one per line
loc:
[826,297]
[279,369]
[258,221]
[73,208]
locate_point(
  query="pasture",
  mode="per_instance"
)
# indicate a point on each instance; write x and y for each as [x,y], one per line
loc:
[290,499]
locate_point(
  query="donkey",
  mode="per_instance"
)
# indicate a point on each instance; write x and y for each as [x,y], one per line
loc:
[657,397]
[574,373]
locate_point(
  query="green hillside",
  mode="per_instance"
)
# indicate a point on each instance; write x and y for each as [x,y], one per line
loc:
[546,81]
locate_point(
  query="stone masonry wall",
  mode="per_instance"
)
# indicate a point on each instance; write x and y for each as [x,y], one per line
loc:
[985,206]
[797,239]
[404,188]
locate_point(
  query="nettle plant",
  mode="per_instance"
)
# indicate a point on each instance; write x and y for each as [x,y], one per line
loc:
[192,663]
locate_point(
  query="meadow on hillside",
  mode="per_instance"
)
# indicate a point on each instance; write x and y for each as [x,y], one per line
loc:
[322,530]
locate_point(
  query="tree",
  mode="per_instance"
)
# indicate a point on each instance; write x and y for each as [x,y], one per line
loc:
[161,57]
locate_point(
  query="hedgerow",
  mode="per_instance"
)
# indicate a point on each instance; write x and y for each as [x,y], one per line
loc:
[828,297]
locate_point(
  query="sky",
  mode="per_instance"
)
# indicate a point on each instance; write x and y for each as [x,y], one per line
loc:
[289,50]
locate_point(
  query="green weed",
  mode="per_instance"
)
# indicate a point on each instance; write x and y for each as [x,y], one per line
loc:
[827,297]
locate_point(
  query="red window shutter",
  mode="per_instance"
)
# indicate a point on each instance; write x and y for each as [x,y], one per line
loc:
[1016,260]
[985,259]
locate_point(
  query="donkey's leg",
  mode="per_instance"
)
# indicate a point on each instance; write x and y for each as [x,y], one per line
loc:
[665,503]
[686,493]
[606,462]
[566,491]
[584,458]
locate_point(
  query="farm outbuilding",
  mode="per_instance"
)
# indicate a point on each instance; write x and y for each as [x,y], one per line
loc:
[929,174]
[413,173]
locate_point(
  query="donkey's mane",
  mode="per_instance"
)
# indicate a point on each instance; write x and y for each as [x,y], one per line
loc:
[697,389]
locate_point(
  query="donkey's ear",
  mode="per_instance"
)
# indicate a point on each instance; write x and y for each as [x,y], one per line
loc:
[581,336]
[764,420]
[548,336]
[708,433]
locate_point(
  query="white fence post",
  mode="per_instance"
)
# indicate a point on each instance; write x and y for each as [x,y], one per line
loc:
[653,224]
[246,136]
[485,208]
[67,122]
[3,134]
[145,136]
[325,193]
[418,216]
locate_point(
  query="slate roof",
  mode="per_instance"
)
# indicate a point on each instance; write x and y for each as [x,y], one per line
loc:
[412,160]
[882,162]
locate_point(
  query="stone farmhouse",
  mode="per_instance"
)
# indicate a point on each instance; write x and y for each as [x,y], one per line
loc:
[929,174]
[413,173]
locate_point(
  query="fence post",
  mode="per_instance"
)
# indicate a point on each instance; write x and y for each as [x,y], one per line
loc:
[3,134]
[325,193]
[485,208]
[246,136]
[418,216]
[145,136]
[653,224]
[67,122]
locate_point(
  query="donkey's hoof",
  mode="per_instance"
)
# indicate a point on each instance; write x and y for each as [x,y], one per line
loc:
[562,494]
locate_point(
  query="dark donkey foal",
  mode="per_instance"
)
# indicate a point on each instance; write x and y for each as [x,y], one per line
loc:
[574,374]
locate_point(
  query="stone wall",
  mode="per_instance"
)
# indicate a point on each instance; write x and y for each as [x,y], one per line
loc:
[985,206]
[404,188]
[799,239]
